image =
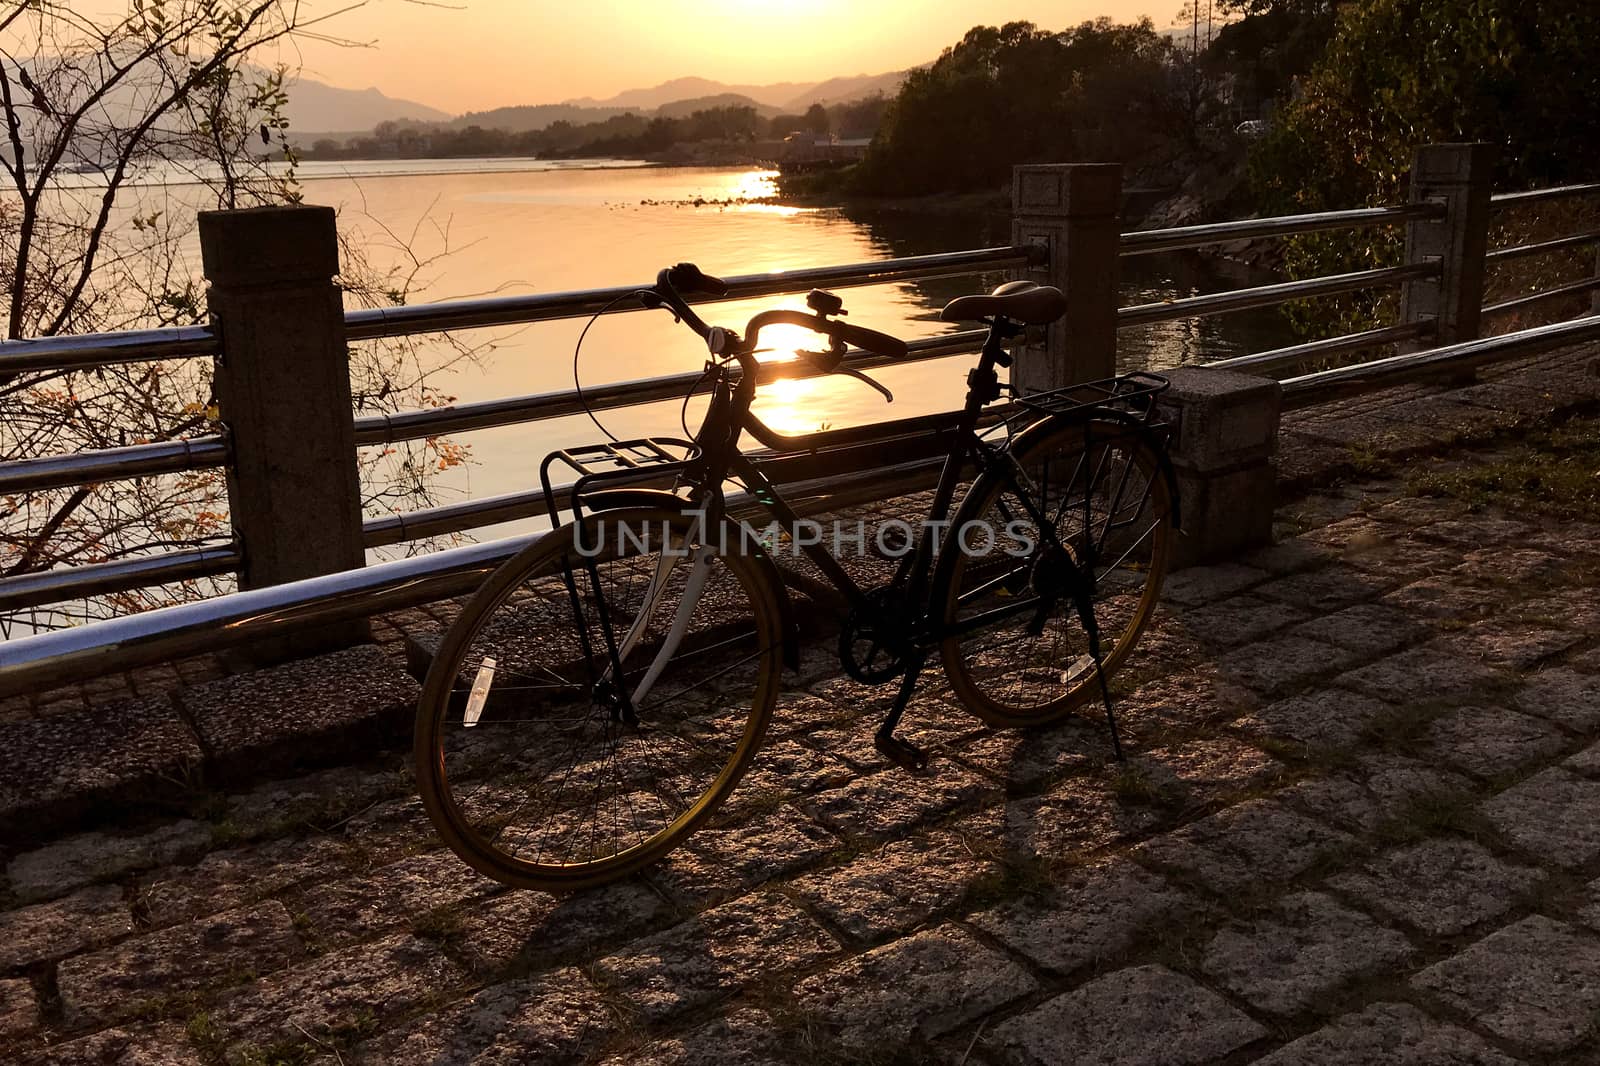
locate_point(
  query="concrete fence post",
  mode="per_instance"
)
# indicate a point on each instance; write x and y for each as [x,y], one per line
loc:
[1072,211]
[1594,301]
[1225,433]
[283,390]
[1460,178]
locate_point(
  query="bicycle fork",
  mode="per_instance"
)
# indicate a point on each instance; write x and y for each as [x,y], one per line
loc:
[699,573]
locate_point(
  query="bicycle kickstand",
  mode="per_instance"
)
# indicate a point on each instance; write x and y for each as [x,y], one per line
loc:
[1091,628]
[902,753]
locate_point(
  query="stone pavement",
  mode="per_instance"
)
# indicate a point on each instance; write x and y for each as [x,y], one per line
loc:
[1360,824]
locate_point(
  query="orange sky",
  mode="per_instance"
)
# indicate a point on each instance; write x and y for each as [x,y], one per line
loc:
[462,55]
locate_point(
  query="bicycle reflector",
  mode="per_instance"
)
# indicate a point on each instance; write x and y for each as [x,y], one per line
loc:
[480,692]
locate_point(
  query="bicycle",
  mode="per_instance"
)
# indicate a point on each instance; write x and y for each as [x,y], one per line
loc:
[606,688]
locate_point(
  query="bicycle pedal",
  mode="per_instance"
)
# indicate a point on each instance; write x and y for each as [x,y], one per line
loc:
[902,753]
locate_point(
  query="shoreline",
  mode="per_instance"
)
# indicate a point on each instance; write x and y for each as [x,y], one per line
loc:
[188,179]
[993,201]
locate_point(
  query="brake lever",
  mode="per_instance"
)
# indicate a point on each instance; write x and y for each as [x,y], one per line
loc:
[859,376]
[832,362]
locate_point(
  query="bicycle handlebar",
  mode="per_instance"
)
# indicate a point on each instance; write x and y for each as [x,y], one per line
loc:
[686,278]
[869,339]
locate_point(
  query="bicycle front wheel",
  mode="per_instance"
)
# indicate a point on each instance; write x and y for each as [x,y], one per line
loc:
[1020,653]
[598,698]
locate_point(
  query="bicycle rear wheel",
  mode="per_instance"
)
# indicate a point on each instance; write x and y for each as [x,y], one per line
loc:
[1106,498]
[597,699]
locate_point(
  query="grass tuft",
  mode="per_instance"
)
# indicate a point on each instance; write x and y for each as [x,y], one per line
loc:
[1554,471]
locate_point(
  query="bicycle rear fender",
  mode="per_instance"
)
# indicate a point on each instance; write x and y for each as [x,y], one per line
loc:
[660,498]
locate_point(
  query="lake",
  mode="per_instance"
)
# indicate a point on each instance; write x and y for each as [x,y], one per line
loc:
[508,226]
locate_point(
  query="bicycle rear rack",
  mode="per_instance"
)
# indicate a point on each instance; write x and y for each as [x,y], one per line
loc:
[1127,394]
[642,460]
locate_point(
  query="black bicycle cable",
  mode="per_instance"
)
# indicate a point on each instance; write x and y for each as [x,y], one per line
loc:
[577,349]
[711,368]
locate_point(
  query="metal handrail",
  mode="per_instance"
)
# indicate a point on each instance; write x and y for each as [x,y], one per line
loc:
[486,414]
[87,351]
[1535,196]
[22,591]
[545,307]
[46,659]
[1328,385]
[1299,354]
[531,503]
[112,464]
[1147,242]
[1517,251]
[1267,295]
[1576,288]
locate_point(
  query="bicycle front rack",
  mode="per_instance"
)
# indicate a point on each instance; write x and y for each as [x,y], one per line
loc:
[643,460]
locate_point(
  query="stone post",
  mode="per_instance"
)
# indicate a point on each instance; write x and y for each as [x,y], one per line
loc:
[1071,210]
[1225,433]
[283,389]
[1459,177]
[1594,301]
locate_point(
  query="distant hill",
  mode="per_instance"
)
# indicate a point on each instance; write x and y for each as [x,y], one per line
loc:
[683,108]
[846,90]
[533,117]
[315,107]
[695,88]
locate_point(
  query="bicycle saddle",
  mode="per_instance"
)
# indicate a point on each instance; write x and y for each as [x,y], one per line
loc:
[1020,301]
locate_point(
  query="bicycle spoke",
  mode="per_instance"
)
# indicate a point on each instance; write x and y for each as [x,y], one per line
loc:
[556,774]
[1008,663]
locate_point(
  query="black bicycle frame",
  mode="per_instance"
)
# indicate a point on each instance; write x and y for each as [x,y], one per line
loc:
[730,415]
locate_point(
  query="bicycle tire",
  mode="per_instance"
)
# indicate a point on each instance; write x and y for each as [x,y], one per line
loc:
[1003,674]
[545,612]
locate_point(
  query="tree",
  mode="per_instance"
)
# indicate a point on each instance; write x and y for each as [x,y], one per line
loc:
[816,120]
[100,112]
[1401,73]
[782,125]
[859,118]
[1016,94]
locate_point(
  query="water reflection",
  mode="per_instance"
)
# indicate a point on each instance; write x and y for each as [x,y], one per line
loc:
[1144,279]
[552,230]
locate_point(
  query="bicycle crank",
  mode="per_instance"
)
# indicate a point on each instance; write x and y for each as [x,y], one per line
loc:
[873,645]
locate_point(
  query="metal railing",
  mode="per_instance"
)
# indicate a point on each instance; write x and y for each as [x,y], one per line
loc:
[242,617]
[105,349]
[1539,196]
[1221,303]
[520,310]
[113,464]
[1326,386]
[1571,242]
[1146,242]
[486,414]
[30,590]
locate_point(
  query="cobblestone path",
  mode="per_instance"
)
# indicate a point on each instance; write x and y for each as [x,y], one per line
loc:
[1360,824]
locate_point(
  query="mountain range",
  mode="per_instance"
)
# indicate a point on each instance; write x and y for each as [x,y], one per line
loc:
[314,105]
[317,108]
[783,97]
